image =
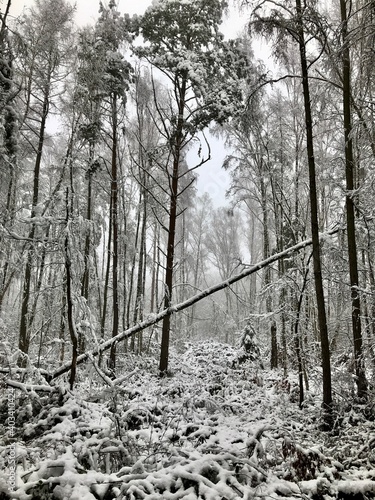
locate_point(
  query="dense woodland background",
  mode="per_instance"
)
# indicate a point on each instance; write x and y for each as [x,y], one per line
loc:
[109,256]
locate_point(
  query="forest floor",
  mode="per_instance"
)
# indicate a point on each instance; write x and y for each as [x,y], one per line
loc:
[212,430]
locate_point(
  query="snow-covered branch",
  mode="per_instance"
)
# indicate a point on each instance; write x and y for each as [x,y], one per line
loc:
[156,318]
[30,387]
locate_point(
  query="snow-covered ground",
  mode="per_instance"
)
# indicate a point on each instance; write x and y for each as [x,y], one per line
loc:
[213,430]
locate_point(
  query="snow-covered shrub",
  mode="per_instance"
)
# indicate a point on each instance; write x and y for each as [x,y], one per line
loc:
[248,352]
[304,464]
[208,432]
[209,477]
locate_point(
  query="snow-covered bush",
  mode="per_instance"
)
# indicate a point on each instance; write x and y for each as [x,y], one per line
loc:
[207,432]
[248,351]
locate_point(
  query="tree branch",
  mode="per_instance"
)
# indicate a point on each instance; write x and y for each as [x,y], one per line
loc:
[153,319]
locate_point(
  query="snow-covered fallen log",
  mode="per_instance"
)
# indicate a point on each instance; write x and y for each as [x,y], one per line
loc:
[156,318]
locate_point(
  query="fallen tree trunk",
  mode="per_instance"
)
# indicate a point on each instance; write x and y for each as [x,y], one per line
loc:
[155,318]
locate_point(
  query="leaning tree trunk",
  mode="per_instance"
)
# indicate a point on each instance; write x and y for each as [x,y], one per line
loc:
[319,291]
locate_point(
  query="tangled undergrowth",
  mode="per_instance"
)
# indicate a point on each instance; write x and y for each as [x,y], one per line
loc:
[215,429]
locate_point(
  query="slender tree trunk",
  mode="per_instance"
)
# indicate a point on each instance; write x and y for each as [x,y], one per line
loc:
[350,215]
[132,270]
[267,271]
[86,273]
[154,277]
[282,301]
[274,347]
[69,296]
[106,278]
[319,290]
[139,297]
[62,325]
[164,351]
[297,336]
[24,336]
[141,257]
[24,333]
[124,246]
[39,283]
[85,284]
[141,312]
[114,224]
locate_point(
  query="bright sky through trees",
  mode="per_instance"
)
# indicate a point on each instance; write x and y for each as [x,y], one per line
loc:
[87,11]
[212,178]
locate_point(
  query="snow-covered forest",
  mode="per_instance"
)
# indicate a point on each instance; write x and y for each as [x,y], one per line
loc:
[153,344]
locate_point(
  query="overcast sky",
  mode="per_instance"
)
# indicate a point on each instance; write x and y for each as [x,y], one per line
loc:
[87,11]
